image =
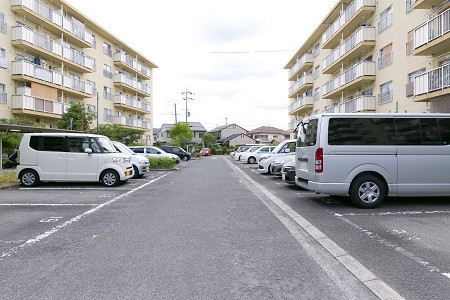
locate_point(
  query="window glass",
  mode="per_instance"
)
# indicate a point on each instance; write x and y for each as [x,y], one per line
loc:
[152,151]
[77,144]
[361,131]
[105,145]
[307,134]
[138,150]
[430,132]
[34,142]
[408,131]
[53,143]
[444,130]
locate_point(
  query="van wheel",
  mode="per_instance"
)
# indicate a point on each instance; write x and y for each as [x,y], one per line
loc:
[135,172]
[110,178]
[251,160]
[29,178]
[367,191]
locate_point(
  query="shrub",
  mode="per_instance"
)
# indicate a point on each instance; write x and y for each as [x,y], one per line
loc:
[213,151]
[161,163]
[224,150]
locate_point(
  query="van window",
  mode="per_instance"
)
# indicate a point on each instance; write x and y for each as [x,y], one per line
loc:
[415,131]
[53,143]
[444,130]
[361,131]
[77,144]
[307,134]
[34,142]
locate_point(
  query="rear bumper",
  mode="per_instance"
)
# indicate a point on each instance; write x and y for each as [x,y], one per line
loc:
[323,188]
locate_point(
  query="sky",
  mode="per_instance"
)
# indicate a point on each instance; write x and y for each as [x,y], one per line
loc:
[230,54]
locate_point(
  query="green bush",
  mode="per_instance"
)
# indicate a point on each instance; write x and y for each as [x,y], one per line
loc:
[161,163]
[213,151]
[224,150]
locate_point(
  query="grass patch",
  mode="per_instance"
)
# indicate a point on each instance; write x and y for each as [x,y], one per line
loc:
[8,178]
[161,163]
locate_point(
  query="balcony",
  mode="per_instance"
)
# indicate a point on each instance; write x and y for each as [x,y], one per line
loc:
[39,45]
[420,4]
[38,13]
[131,65]
[361,41]
[131,84]
[433,37]
[293,125]
[304,63]
[353,78]
[27,71]
[29,105]
[131,122]
[432,84]
[355,13]
[302,104]
[131,103]
[360,104]
[303,84]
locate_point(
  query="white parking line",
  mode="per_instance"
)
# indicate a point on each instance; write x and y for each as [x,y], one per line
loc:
[48,204]
[73,220]
[74,188]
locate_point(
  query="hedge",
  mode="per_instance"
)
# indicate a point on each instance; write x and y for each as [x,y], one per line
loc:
[161,163]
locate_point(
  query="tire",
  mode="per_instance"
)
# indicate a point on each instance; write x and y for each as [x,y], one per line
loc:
[135,172]
[367,191]
[268,170]
[110,178]
[185,158]
[251,160]
[29,178]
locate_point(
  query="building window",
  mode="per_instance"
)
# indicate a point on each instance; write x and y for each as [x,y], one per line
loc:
[316,50]
[3,25]
[107,71]
[410,43]
[414,74]
[107,94]
[385,56]
[317,94]
[385,19]
[316,72]
[409,5]
[3,61]
[368,93]
[3,96]
[107,116]
[89,108]
[385,94]
[107,49]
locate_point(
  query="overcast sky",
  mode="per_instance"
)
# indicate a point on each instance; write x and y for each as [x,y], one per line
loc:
[230,54]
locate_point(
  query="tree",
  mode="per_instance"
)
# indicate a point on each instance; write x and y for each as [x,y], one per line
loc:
[209,139]
[181,133]
[118,133]
[81,118]
[11,140]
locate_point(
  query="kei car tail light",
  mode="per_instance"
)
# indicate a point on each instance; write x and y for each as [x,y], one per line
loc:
[319,160]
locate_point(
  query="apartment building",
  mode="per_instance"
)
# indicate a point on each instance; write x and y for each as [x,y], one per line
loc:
[51,56]
[374,56]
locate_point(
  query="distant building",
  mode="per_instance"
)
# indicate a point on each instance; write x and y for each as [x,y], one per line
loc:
[225,131]
[265,134]
[238,139]
[155,134]
[197,128]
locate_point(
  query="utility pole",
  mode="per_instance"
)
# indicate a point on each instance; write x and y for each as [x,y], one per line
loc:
[186,98]
[176,122]
[226,120]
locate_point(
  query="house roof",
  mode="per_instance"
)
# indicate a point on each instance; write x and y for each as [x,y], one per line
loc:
[268,129]
[194,126]
[220,128]
[156,130]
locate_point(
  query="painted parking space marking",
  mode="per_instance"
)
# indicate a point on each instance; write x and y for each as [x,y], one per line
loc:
[48,204]
[73,220]
[50,220]
[417,259]
[73,188]
[425,212]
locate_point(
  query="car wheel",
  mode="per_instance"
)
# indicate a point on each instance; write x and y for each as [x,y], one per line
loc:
[135,172]
[268,169]
[251,160]
[29,178]
[185,158]
[367,191]
[110,178]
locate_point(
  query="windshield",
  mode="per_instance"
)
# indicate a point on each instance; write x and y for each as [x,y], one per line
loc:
[105,145]
[124,149]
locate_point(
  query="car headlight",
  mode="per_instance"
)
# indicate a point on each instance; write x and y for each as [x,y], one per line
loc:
[121,160]
[143,161]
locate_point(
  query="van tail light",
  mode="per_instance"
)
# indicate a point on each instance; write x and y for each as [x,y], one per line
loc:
[319,160]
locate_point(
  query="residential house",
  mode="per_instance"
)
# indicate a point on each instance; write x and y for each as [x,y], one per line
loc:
[197,128]
[265,134]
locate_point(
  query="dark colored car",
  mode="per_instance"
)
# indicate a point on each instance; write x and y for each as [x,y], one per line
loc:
[288,172]
[183,154]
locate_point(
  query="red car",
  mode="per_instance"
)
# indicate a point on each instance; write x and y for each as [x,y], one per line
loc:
[205,152]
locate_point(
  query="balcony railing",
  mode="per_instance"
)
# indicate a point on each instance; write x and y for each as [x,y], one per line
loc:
[308,100]
[21,33]
[56,18]
[306,58]
[385,60]
[132,63]
[27,68]
[433,80]
[363,34]
[130,122]
[349,12]
[385,97]
[363,68]
[131,102]
[3,97]
[26,102]
[133,83]
[305,79]
[292,125]
[434,28]
[360,104]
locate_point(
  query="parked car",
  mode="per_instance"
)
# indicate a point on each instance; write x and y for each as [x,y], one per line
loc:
[238,156]
[253,157]
[239,151]
[205,152]
[141,165]
[71,157]
[284,148]
[154,152]
[288,172]
[183,154]
[277,165]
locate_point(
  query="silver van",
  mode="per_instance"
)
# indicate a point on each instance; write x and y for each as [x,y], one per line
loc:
[371,156]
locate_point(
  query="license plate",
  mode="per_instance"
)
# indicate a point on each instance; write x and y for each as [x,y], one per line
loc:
[127,173]
[283,176]
[147,169]
[303,165]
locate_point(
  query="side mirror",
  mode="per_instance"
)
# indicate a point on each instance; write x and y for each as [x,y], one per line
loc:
[287,150]
[88,150]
